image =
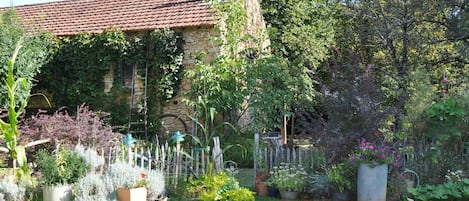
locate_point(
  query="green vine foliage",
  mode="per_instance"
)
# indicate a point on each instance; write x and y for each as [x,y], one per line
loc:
[76,73]
[165,64]
[238,74]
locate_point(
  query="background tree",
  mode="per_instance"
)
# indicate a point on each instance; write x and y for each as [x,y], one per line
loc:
[35,52]
[302,32]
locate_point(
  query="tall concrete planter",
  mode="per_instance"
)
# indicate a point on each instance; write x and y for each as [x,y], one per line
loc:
[372,182]
[57,193]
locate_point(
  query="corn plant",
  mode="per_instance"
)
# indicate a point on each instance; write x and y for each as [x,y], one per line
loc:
[10,132]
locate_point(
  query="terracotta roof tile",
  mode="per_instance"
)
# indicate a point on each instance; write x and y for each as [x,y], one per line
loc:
[93,16]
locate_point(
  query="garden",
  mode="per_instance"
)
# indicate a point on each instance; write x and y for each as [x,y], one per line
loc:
[344,104]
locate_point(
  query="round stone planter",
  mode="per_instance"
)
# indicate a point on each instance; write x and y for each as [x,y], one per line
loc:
[372,182]
[340,196]
[289,195]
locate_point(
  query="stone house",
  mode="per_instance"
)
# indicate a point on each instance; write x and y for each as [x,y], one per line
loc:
[191,17]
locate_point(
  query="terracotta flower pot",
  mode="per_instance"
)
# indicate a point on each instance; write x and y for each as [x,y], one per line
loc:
[261,189]
[132,194]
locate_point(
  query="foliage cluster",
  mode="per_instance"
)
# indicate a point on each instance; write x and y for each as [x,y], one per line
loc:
[91,187]
[308,26]
[341,176]
[76,72]
[36,51]
[9,130]
[11,191]
[90,156]
[119,174]
[288,177]
[87,127]
[61,168]
[301,33]
[443,139]
[218,186]
[243,154]
[375,154]
[456,191]
[241,72]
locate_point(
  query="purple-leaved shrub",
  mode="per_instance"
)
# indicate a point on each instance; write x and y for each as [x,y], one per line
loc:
[86,128]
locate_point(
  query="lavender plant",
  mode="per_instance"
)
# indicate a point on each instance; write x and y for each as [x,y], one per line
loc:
[90,156]
[91,188]
[125,175]
[10,191]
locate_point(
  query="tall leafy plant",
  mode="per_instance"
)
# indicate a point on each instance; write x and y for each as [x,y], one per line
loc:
[35,52]
[10,133]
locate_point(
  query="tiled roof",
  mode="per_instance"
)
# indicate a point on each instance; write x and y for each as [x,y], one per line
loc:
[71,17]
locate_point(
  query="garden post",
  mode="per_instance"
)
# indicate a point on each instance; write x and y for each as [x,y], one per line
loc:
[256,151]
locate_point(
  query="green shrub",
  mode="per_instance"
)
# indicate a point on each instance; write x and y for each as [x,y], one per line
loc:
[455,191]
[65,167]
[243,154]
[219,186]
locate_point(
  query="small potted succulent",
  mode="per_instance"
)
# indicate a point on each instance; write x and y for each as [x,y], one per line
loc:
[59,171]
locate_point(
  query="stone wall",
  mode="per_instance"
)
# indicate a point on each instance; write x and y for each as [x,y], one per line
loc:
[197,39]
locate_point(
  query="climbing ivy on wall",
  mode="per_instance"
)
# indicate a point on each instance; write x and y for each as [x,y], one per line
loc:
[76,73]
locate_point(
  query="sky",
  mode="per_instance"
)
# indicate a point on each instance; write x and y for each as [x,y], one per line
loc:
[7,3]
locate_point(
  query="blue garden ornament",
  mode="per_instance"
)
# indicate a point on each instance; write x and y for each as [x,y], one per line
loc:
[177,137]
[128,140]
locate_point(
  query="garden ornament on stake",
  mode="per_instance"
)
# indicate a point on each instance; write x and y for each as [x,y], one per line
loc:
[177,138]
[129,141]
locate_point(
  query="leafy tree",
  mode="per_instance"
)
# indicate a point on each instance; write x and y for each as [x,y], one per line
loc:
[273,83]
[301,31]
[35,52]
[400,37]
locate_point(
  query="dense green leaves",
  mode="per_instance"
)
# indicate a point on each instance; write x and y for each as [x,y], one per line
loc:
[36,50]
[76,73]
[456,191]
[301,30]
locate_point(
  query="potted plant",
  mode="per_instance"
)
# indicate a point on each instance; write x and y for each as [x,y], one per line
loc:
[318,185]
[340,177]
[261,183]
[373,160]
[58,172]
[134,192]
[289,179]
